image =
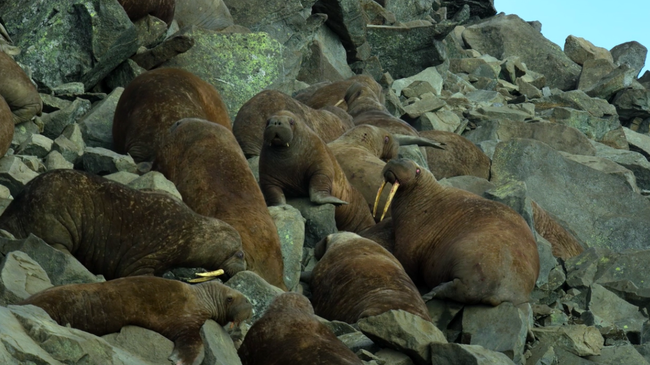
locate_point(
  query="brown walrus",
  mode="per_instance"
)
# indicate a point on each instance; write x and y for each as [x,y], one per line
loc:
[117,231]
[208,168]
[6,127]
[465,247]
[172,308]
[155,100]
[563,243]
[290,333]
[18,91]
[357,278]
[460,156]
[332,94]
[249,123]
[295,162]
[161,9]
[362,152]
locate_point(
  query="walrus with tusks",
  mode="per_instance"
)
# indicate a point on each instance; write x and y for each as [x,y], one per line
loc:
[333,93]
[18,91]
[464,247]
[357,278]
[161,9]
[295,162]
[460,156]
[208,168]
[155,100]
[117,231]
[172,308]
[290,333]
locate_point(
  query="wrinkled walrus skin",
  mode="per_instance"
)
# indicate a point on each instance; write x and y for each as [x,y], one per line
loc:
[290,333]
[208,168]
[357,278]
[172,308]
[6,127]
[155,100]
[18,91]
[117,231]
[464,247]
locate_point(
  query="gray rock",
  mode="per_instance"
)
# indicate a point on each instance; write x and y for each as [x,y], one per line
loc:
[347,20]
[237,65]
[55,160]
[632,54]
[415,153]
[502,328]
[576,99]
[633,103]
[473,66]
[154,180]
[73,133]
[150,30]
[357,341]
[257,290]
[485,96]
[124,73]
[97,125]
[68,149]
[576,339]
[208,14]
[503,36]
[219,347]
[56,122]
[5,198]
[84,40]
[409,10]
[404,332]
[514,194]
[615,81]
[457,354]
[429,75]
[480,8]
[442,120]
[625,354]
[150,347]
[14,174]
[419,88]
[22,131]
[254,164]
[35,145]
[631,160]
[443,313]
[428,103]
[610,310]
[593,71]
[392,357]
[519,112]
[604,213]
[325,59]
[122,177]
[580,50]
[61,268]
[291,229]
[558,136]
[168,49]
[640,142]
[20,278]
[606,129]
[319,219]
[528,89]
[101,161]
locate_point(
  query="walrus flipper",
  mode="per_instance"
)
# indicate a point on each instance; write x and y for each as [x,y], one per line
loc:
[188,350]
[319,191]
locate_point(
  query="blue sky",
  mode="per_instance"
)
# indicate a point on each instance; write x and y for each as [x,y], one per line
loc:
[604,23]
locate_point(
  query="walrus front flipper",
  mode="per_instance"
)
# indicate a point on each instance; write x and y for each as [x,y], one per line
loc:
[319,188]
[188,350]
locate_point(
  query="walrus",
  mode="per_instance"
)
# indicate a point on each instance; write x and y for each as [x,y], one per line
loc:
[460,156]
[6,127]
[18,91]
[290,333]
[251,119]
[205,14]
[563,244]
[464,247]
[208,168]
[357,278]
[295,162]
[332,94]
[161,9]
[155,100]
[117,231]
[172,308]
[362,152]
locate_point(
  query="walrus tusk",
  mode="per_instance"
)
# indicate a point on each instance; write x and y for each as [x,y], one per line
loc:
[200,280]
[391,195]
[374,208]
[339,102]
[206,276]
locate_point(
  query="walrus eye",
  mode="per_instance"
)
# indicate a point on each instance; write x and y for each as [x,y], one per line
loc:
[229,299]
[291,121]
[417,171]
[386,139]
[239,255]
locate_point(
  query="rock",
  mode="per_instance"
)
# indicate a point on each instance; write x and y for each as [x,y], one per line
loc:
[480,8]
[402,331]
[633,161]
[291,229]
[20,277]
[548,279]
[606,166]
[637,141]
[325,59]
[85,42]
[503,36]
[577,339]
[580,207]
[558,136]
[122,177]
[102,161]
[632,54]
[632,103]
[415,153]
[124,73]
[5,198]
[576,99]
[55,160]
[392,357]
[97,125]
[319,219]
[457,354]
[593,71]
[357,341]
[237,65]
[619,79]
[150,30]
[429,75]
[405,11]
[347,20]
[254,164]
[514,195]
[405,51]
[485,97]
[61,268]
[154,180]
[148,346]
[14,174]
[36,145]
[528,89]
[473,66]
[257,290]
[56,122]
[219,347]
[207,14]
[502,328]
[428,103]
[33,162]
[442,120]
[22,131]
[68,149]
[610,310]
[606,129]
[168,49]
[73,133]
[580,50]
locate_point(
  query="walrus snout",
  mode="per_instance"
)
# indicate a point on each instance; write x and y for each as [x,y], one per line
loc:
[241,309]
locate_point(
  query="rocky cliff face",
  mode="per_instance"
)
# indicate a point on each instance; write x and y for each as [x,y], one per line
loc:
[566,129]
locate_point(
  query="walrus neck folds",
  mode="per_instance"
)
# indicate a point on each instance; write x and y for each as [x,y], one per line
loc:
[212,301]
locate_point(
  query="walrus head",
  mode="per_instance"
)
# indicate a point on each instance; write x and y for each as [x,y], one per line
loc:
[224,303]
[399,172]
[279,129]
[290,302]
[361,98]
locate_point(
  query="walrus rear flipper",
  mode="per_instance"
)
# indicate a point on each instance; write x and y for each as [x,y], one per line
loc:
[188,350]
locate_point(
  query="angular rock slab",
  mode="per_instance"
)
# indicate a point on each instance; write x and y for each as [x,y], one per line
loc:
[457,354]
[601,209]
[238,65]
[577,339]
[219,347]
[70,40]
[20,278]
[291,229]
[147,345]
[257,290]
